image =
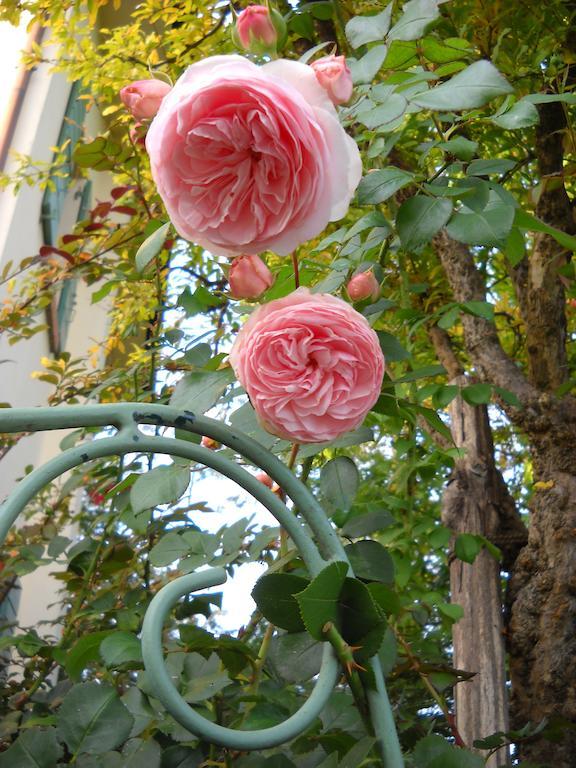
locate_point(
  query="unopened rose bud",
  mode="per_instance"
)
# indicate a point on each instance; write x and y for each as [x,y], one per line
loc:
[249,277]
[143,97]
[259,29]
[363,286]
[265,479]
[208,442]
[334,76]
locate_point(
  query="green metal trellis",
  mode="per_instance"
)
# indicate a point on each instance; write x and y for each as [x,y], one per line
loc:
[127,418]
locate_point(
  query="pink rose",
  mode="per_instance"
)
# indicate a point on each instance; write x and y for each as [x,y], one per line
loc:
[259,29]
[143,97]
[363,286]
[335,77]
[251,158]
[311,365]
[249,277]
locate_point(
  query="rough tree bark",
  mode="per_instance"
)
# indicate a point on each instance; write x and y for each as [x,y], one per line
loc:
[476,501]
[543,581]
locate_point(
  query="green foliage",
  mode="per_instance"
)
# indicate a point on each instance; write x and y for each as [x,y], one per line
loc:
[445,111]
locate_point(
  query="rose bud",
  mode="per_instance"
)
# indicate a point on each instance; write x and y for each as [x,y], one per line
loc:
[143,97]
[249,277]
[259,29]
[363,286]
[138,134]
[208,442]
[265,479]
[335,77]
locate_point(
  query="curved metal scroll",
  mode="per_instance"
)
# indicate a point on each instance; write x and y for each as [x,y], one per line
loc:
[127,418]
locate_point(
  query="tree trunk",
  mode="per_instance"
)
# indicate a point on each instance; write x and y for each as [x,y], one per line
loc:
[476,501]
[543,602]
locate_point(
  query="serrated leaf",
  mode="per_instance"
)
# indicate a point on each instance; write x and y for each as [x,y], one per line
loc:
[417,17]
[295,657]
[372,219]
[34,748]
[477,394]
[339,481]
[362,525]
[161,485]
[93,719]
[84,650]
[319,601]
[361,620]
[365,69]
[367,29]
[523,114]
[141,753]
[380,185]
[391,347]
[420,218]
[167,549]
[525,220]
[274,594]
[120,647]
[205,677]
[480,309]
[444,51]
[460,147]
[385,115]
[199,390]
[151,247]
[452,610]
[467,547]
[473,87]
[488,227]
[370,561]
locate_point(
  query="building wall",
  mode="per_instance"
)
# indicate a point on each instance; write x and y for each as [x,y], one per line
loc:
[36,133]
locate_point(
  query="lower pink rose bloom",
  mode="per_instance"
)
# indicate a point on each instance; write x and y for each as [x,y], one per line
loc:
[311,365]
[251,158]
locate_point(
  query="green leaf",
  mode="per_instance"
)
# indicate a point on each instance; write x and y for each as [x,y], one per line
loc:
[362,525]
[93,719]
[274,596]
[420,218]
[199,390]
[401,55]
[452,610]
[480,309]
[417,17]
[488,227]
[460,147]
[141,753]
[169,548]
[372,219]
[204,677]
[362,621]
[523,114]
[385,115]
[477,394]
[507,396]
[469,89]
[467,547]
[119,648]
[367,29]
[84,650]
[161,485]
[391,347]
[386,598]
[339,481]
[365,69]
[525,220]
[379,185]
[357,754]
[370,561]
[319,601]
[92,154]
[151,247]
[34,748]
[515,247]
[295,658]
[490,167]
[444,51]
[421,373]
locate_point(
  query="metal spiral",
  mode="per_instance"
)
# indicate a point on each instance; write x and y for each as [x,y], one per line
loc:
[127,418]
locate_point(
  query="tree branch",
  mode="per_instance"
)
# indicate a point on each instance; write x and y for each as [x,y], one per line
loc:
[482,343]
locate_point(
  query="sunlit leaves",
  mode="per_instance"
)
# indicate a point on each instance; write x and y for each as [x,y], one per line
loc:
[367,29]
[380,185]
[420,218]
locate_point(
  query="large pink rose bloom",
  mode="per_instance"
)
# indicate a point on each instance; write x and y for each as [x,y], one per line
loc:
[311,365]
[251,158]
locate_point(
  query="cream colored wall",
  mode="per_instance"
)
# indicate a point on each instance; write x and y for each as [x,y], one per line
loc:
[36,133]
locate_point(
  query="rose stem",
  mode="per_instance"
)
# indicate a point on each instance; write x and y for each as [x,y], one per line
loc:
[297,284]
